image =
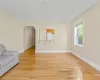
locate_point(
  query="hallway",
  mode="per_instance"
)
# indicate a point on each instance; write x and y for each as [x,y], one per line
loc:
[51,67]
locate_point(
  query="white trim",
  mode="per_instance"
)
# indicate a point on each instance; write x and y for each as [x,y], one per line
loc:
[79,45]
[96,66]
[61,51]
[21,51]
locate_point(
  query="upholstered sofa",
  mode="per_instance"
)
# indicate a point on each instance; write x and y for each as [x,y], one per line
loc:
[8,59]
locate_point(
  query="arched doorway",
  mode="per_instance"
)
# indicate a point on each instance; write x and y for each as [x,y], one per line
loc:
[29,39]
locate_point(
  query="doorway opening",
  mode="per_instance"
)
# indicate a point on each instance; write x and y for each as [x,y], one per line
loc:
[29,40]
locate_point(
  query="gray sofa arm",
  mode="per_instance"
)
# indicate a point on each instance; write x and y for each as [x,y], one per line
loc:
[10,53]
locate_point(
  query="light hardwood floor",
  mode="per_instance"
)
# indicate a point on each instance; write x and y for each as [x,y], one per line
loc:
[63,66]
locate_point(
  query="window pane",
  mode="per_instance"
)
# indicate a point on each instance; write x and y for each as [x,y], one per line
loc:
[80,34]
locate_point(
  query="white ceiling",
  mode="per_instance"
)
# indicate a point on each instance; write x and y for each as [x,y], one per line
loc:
[53,10]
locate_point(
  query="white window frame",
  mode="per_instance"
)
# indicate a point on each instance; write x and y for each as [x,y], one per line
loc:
[76,34]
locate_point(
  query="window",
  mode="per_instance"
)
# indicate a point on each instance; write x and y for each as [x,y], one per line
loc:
[78,34]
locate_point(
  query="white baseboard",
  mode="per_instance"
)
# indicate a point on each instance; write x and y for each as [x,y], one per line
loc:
[61,51]
[21,51]
[96,66]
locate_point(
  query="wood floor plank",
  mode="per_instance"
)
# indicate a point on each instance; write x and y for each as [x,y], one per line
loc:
[64,66]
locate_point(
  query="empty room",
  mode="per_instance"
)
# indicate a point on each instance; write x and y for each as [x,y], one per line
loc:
[49,39]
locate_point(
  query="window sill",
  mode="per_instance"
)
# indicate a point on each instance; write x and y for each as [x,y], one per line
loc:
[79,45]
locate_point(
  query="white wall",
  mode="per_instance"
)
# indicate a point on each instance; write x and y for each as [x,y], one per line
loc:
[61,39]
[91,49]
[11,34]
[29,37]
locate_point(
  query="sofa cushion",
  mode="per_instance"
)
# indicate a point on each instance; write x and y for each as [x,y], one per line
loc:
[2,49]
[5,60]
